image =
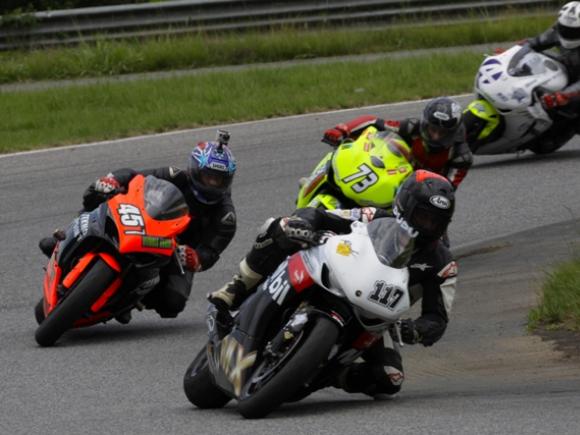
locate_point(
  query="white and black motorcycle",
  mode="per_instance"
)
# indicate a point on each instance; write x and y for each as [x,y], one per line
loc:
[508,115]
[318,312]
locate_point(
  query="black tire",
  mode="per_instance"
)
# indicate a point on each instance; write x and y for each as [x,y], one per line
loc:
[199,386]
[77,303]
[542,149]
[307,357]
[39,311]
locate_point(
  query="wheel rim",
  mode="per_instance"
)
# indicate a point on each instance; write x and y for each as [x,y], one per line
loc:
[268,368]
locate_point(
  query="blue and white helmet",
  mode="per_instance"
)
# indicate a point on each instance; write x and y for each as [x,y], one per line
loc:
[211,169]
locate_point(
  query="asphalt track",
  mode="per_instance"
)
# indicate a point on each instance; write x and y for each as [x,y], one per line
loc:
[487,375]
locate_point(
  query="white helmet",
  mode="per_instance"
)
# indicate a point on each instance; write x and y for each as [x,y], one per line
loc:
[569,25]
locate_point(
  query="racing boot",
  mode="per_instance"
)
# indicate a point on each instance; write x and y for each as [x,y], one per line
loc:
[233,294]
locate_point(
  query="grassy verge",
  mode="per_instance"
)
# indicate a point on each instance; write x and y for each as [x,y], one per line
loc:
[87,113]
[201,50]
[560,303]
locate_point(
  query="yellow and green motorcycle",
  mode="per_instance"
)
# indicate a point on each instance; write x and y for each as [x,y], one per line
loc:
[364,172]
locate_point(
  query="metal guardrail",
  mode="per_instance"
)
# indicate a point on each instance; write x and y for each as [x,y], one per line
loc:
[149,19]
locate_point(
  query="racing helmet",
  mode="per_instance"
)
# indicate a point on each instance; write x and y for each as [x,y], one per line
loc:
[425,201]
[440,122]
[211,169]
[568,25]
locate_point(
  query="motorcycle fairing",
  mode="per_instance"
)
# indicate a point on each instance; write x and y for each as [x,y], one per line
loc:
[232,359]
[51,286]
[501,81]
[347,266]
[364,172]
[369,170]
[95,235]
[50,283]
[138,231]
[509,82]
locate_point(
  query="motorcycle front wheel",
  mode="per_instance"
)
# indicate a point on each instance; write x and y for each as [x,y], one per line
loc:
[199,387]
[79,301]
[272,383]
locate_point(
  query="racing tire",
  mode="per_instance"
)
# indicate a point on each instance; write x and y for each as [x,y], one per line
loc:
[297,371]
[541,148]
[80,299]
[199,386]
[39,311]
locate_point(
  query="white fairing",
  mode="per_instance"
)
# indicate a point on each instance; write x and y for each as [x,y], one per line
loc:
[508,81]
[378,291]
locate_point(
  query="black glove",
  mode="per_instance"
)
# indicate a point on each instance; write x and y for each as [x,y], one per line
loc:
[294,230]
[409,333]
[100,191]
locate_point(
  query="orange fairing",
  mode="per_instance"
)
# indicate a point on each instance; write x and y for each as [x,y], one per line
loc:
[76,271]
[51,280]
[53,273]
[135,225]
[106,295]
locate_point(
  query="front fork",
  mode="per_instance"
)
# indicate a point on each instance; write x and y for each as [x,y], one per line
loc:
[397,328]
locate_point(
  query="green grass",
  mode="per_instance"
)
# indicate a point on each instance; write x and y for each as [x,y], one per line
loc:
[559,307]
[88,113]
[202,50]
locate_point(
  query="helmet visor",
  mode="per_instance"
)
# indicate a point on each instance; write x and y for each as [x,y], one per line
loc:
[569,33]
[213,179]
[438,138]
[428,223]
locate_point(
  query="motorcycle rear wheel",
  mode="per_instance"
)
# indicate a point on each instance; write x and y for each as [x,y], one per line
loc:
[75,304]
[295,373]
[199,386]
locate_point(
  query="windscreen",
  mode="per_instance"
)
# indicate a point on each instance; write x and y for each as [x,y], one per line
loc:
[163,200]
[393,244]
[527,63]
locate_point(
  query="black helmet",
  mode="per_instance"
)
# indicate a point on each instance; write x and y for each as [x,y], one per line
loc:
[425,201]
[440,122]
[211,169]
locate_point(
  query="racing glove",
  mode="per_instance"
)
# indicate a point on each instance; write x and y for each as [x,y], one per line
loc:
[188,258]
[409,333]
[558,99]
[294,230]
[107,184]
[334,136]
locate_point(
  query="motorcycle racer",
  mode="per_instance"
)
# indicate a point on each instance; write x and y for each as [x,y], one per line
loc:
[485,125]
[425,203]
[206,186]
[437,138]
[564,35]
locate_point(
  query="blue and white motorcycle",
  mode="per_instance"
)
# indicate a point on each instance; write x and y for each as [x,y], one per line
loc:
[507,115]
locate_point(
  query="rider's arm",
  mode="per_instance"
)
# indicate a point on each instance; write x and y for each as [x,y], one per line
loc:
[460,161]
[338,221]
[438,284]
[545,40]
[95,194]
[218,235]
[351,129]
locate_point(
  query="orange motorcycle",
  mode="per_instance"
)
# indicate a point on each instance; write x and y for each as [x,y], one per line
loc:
[110,258]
